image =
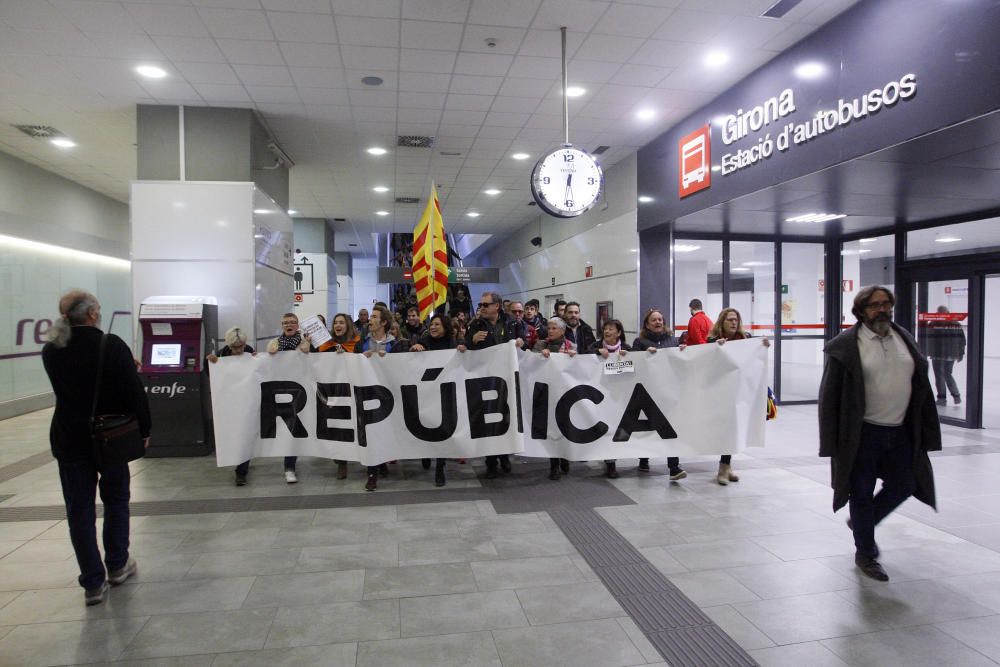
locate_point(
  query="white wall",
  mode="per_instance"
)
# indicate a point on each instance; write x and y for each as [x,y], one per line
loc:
[365,284]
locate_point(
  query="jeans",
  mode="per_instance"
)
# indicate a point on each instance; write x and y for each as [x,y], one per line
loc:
[884,452]
[80,481]
[943,377]
[674,462]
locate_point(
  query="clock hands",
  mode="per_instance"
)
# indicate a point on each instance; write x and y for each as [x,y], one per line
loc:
[569,188]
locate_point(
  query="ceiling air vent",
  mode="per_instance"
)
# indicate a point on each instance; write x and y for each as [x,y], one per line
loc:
[340,219]
[39,131]
[599,150]
[407,200]
[780,8]
[414,141]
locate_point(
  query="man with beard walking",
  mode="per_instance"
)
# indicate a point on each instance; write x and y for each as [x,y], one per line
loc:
[877,419]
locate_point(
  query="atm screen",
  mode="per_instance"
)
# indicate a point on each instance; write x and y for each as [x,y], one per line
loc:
[166,354]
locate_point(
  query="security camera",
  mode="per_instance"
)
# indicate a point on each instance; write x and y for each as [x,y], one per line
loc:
[536,241]
[491,42]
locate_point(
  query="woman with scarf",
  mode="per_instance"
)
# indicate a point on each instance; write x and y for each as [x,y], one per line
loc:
[654,336]
[557,342]
[381,342]
[345,339]
[612,344]
[437,337]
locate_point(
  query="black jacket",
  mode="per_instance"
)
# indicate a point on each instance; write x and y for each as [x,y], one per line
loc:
[72,371]
[497,334]
[842,413]
[648,339]
[583,337]
[428,342]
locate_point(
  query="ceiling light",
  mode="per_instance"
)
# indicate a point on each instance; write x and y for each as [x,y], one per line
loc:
[645,114]
[741,269]
[520,156]
[634,249]
[377,150]
[292,211]
[493,192]
[380,188]
[258,236]
[151,71]
[645,199]
[867,240]
[63,142]
[720,120]
[816,217]
[263,211]
[861,251]
[372,81]
[473,214]
[575,91]
[716,58]
[811,70]
[716,167]
[757,263]
[686,247]
[947,239]
[382,213]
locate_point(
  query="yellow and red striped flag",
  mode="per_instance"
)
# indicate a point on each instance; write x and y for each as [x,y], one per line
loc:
[430,258]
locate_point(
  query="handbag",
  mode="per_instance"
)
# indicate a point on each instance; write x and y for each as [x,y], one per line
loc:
[116,438]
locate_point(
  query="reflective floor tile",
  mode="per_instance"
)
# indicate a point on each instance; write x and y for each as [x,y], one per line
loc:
[347,557]
[913,647]
[525,572]
[599,643]
[456,550]
[418,580]
[203,632]
[334,623]
[70,642]
[568,602]
[310,588]
[460,650]
[463,612]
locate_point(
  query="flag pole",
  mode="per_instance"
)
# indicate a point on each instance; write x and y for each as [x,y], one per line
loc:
[430,235]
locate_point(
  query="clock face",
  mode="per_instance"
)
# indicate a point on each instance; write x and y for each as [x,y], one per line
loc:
[567,182]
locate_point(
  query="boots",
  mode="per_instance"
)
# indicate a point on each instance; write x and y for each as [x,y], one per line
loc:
[439,473]
[612,472]
[426,463]
[726,474]
[564,466]
[553,469]
[341,469]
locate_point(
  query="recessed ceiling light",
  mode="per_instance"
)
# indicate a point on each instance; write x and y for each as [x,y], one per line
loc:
[757,263]
[645,114]
[520,156]
[634,249]
[63,142]
[151,71]
[716,167]
[860,251]
[380,188]
[493,192]
[263,211]
[645,199]
[720,121]
[382,213]
[686,247]
[575,91]
[716,58]
[867,240]
[810,70]
[292,211]
[372,81]
[377,150]
[741,269]
[473,214]
[816,217]
[947,239]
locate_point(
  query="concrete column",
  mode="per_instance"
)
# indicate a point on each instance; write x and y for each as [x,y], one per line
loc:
[656,271]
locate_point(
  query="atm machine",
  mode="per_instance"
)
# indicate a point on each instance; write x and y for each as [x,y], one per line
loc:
[176,334]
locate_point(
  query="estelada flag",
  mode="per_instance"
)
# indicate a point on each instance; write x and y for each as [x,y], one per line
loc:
[430,258]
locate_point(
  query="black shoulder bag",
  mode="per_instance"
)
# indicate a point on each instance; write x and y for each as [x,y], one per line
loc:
[116,437]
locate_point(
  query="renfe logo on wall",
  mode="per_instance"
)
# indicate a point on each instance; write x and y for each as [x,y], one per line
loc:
[694,155]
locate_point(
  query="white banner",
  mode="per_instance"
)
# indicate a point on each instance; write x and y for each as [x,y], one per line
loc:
[704,400]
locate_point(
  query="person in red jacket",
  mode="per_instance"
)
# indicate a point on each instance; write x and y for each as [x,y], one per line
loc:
[698,326]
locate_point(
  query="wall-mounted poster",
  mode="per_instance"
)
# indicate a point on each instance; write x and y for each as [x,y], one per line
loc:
[605,312]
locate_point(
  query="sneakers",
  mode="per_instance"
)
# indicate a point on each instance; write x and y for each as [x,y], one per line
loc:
[341,469]
[117,577]
[677,473]
[643,465]
[372,483]
[94,596]
[290,477]
[241,479]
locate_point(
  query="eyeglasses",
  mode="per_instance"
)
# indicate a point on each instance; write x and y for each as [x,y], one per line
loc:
[486,305]
[881,305]
[288,323]
[516,310]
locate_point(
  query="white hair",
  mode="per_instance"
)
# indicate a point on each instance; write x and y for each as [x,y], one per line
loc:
[235,336]
[75,307]
[559,322]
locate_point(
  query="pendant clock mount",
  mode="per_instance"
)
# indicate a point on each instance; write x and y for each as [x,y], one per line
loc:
[566,181]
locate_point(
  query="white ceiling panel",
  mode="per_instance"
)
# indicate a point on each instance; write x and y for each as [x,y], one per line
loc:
[631,20]
[608,48]
[373,8]
[483,63]
[125,46]
[236,24]
[423,60]
[318,77]
[156,19]
[208,73]
[453,11]
[532,67]
[298,54]
[477,38]
[264,75]
[312,6]
[411,100]
[375,57]
[367,31]
[296,27]
[189,49]
[475,85]
[214,93]
[249,52]
[576,15]
[431,35]
[469,102]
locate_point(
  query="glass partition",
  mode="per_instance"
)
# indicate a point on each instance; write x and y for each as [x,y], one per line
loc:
[869,261]
[962,238]
[697,275]
[803,290]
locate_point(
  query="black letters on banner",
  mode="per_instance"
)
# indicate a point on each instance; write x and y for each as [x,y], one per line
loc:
[479,408]
[270,409]
[641,402]
[375,392]
[326,412]
[572,433]
[540,411]
[517,401]
[449,413]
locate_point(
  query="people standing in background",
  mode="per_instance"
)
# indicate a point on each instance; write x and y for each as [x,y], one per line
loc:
[557,310]
[945,346]
[361,324]
[413,328]
[533,317]
[655,335]
[520,328]
[698,326]
[290,340]
[579,332]
[71,359]
[877,418]
[236,344]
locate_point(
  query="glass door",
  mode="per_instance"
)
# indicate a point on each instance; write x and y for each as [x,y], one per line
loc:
[991,354]
[941,315]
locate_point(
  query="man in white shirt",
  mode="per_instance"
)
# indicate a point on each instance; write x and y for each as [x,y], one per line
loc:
[877,419]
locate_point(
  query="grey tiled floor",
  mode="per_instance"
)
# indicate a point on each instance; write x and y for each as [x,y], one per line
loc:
[455,583]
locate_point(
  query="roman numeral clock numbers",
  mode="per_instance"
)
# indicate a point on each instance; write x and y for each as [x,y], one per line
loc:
[566,182]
